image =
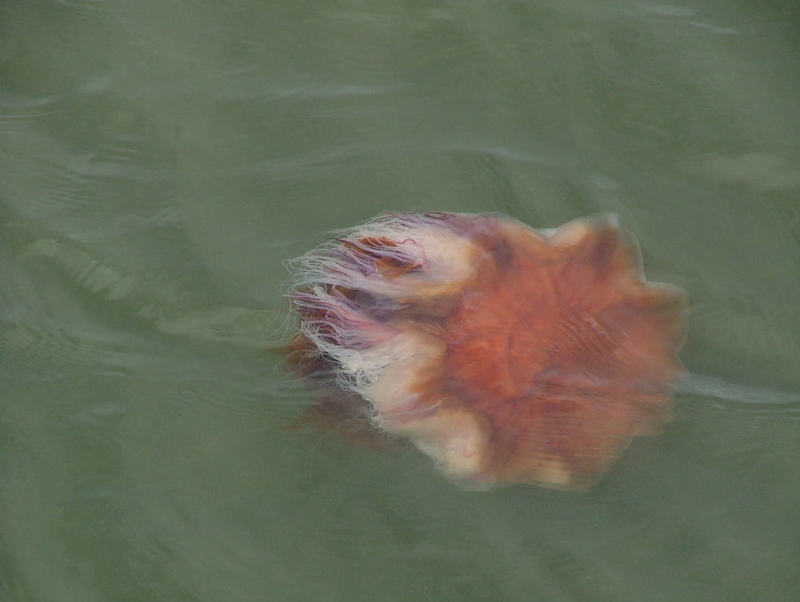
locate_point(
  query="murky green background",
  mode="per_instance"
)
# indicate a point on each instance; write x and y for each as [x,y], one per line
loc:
[158,162]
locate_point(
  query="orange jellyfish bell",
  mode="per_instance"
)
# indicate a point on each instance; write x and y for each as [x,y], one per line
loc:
[507,354]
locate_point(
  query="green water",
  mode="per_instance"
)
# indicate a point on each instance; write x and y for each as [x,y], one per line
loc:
[160,160]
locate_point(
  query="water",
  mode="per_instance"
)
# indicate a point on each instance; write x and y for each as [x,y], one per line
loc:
[160,161]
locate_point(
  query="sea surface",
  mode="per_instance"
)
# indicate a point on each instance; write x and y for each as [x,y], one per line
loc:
[160,161]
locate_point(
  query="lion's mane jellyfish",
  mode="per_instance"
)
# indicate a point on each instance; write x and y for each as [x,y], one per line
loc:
[507,354]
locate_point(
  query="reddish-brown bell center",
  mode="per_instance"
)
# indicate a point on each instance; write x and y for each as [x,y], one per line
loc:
[508,341]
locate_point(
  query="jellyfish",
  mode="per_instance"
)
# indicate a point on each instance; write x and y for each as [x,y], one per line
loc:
[507,354]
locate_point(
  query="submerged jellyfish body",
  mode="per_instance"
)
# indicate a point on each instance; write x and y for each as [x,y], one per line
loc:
[507,354]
